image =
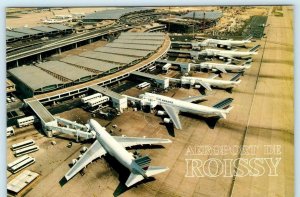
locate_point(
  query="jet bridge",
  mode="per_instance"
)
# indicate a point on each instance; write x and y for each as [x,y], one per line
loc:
[194,45]
[193,54]
[43,114]
[184,66]
[51,125]
[162,82]
[119,102]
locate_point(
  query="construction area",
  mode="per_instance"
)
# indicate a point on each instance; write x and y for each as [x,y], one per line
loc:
[139,80]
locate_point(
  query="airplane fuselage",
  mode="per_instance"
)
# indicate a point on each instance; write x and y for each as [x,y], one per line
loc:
[238,54]
[153,100]
[231,67]
[228,42]
[114,148]
[213,82]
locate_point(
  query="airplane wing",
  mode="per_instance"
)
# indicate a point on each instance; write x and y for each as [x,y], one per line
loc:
[205,85]
[173,114]
[213,76]
[95,151]
[134,141]
[194,98]
[223,104]
[221,69]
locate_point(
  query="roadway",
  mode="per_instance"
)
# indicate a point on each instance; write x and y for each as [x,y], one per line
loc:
[63,42]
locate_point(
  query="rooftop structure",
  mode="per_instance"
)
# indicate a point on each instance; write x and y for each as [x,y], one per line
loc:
[139,37]
[31,80]
[11,35]
[143,34]
[109,57]
[111,14]
[120,51]
[61,27]
[209,15]
[132,46]
[66,71]
[23,33]
[75,69]
[145,42]
[28,31]
[92,65]
[44,29]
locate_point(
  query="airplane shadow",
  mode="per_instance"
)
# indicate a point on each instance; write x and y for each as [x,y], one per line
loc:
[122,171]
[122,188]
[170,128]
[123,176]
[63,181]
[211,122]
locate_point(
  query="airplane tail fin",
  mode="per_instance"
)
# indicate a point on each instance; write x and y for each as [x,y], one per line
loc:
[248,38]
[133,179]
[247,64]
[151,171]
[254,49]
[224,104]
[143,162]
[236,77]
[224,113]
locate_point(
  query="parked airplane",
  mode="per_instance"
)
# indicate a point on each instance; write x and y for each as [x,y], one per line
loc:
[226,43]
[207,83]
[54,21]
[172,107]
[57,19]
[225,67]
[230,54]
[115,146]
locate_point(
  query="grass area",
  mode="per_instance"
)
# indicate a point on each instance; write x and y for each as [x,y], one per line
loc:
[255,26]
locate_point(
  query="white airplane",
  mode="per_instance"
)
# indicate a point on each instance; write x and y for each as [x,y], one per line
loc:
[226,43]
[54,21]
[115,146]
[207,83]
[230,54]
[225,67]
[62,16]
[172,107]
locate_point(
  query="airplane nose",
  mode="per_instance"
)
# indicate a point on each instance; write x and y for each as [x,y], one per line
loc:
[91,121]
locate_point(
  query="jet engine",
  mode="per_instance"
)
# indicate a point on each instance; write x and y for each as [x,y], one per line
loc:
[197,86]
[167,120]
[161,113]
[192,81]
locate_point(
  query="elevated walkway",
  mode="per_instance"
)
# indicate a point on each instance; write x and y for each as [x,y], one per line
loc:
[51,125]
[193,54]
[40,110]
[43,114]
[119,101]
[184,66]
[162,82]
